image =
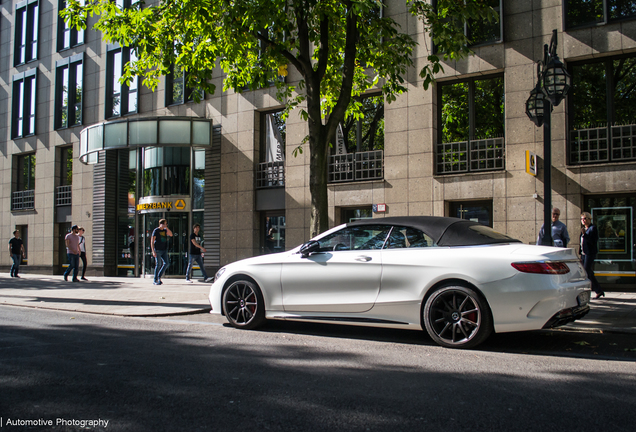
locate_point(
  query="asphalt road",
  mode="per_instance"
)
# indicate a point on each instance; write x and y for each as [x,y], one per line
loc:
[192,373]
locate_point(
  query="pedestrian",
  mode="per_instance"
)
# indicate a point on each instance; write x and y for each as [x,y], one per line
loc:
[82,246]
[159,245]
[560,236]
[195,254]
[72,252]
[589,250]
[16,252]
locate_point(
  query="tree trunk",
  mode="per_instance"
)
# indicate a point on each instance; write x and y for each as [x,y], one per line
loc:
[318,169]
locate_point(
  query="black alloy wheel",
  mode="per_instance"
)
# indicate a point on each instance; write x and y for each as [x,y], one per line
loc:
[457,317]
[243,305]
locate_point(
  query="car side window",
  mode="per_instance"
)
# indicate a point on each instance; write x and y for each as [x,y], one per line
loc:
[355,238]
[402,237]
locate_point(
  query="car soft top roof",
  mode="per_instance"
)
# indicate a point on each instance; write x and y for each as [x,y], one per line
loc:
[445,231]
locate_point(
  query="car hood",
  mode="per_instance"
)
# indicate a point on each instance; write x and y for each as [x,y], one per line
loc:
[262,259]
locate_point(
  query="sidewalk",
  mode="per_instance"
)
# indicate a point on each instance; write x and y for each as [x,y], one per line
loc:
[139,297]
[106,295]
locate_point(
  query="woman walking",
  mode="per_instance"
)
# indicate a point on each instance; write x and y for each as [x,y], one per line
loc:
[82,246]
[589,250]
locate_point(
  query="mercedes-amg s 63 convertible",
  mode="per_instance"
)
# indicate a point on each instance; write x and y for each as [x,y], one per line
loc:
[459,280]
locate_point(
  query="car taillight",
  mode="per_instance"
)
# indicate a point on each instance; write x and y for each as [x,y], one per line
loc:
[542,267]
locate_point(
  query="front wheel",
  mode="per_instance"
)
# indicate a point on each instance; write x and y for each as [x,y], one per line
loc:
[457,317]
[243,305]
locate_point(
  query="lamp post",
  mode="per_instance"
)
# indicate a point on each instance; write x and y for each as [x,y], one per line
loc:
[554,83]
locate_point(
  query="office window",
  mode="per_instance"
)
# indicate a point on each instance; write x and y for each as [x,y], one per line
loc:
[67,37]
[585,13]
[273,133]
[471,129]
[602,111]
[121,99]
[177,92]
[125,4]
[23,104]
[476,211]
[26,172]
[366,133]
[26,32]
[64,192]
[23,182]
[66,166]
[481,32]
[68,91]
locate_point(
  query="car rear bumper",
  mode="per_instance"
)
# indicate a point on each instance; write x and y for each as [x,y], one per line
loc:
[567,316]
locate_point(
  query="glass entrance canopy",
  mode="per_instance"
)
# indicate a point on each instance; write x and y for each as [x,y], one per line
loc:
[142,132]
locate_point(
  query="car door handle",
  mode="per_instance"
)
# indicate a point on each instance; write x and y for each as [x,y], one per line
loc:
[363,258]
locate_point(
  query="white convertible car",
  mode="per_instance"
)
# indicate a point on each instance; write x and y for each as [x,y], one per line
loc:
[457,279]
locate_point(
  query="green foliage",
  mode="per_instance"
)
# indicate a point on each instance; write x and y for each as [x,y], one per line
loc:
[336,49]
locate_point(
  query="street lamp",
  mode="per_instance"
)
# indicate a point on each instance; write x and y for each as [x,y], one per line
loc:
[554,83]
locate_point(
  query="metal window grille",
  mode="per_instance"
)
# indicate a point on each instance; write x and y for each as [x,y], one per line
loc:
[469,156]
[341,168]
[592,145]
[359,166]
[63,195]
[624,142]
[487,154]
[270,174]
[452,157]
[23,200]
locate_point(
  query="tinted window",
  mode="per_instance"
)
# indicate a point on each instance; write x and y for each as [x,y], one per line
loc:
[402,237]
[355,238]
[489,233]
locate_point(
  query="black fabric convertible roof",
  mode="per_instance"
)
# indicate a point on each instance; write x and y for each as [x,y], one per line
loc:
[445,231]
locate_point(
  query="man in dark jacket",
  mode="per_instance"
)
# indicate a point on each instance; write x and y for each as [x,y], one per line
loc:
[16,251]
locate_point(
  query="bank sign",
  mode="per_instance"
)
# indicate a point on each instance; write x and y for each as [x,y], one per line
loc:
[162,204]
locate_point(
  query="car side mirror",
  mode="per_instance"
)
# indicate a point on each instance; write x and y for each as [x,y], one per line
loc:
[309,248]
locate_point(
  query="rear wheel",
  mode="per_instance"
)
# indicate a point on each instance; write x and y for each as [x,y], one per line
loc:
[457,317]
[243,305]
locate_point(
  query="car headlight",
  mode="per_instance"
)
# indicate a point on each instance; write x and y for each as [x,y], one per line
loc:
[219,274]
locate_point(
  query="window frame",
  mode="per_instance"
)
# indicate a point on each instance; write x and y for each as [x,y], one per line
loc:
[606,19]
[125,90]
[28,10]
[466,26]
[31,164]
[70,64]
[479,143]
[610,127]
[188,92]
[76,37]
[27,101]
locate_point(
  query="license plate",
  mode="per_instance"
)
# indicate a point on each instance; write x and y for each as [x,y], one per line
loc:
[583,298]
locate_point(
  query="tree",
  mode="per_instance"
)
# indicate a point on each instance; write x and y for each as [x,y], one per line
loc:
[340,49]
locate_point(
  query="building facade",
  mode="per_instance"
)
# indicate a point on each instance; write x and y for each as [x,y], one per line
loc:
[80,148]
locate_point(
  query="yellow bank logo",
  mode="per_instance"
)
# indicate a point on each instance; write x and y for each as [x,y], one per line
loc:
[180,204]
[165,205]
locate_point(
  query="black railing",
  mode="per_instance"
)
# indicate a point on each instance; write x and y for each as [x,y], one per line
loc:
[23,200]
[470,156]
[359,166]
[270,174]
[591,145]
[63,195]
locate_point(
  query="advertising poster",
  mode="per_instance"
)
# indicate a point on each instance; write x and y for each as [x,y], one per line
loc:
[614,232]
